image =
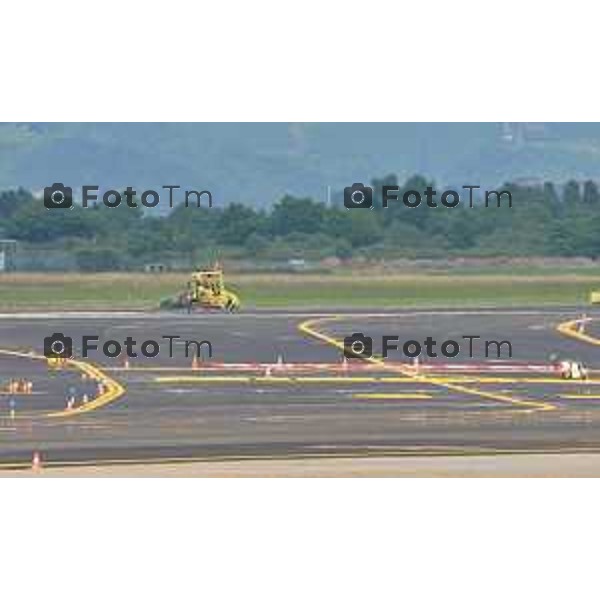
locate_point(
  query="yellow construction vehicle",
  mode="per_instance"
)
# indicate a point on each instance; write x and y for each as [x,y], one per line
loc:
[205,290]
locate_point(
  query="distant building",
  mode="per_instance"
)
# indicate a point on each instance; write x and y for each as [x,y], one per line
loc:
[155,268]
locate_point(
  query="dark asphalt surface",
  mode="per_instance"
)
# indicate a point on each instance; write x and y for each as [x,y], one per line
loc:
[162,416]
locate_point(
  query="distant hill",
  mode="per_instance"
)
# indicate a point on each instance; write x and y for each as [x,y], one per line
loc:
[257,163]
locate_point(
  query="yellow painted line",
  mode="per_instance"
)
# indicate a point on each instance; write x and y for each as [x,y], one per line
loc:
[375,396]
[315,379]
[579,397]
[475,379]
[200,379]
[114,390]
[408,378]
[412,380]
[308,327]
[265,379]
[570,329]
[548,380]
[528,380]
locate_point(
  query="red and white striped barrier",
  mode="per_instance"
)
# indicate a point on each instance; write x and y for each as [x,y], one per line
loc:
[361,366]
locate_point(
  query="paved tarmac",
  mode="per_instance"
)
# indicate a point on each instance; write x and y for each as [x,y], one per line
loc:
[276,387]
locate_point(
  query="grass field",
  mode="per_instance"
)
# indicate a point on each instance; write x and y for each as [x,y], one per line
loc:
[22,291]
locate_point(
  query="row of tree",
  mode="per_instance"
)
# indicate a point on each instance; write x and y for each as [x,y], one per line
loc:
[542,221]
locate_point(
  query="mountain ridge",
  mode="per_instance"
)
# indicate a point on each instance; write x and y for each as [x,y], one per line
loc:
[258,163]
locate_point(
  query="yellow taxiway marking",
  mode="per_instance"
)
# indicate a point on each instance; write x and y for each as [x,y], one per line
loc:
[200,379]
[512,380]
[308,327]
[376,396]
[113,389]
[414,380]
[263,379]
[276,379]
[579,397]
[328,379]
[570,329]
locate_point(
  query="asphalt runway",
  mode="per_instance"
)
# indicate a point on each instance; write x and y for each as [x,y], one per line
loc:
[276,386]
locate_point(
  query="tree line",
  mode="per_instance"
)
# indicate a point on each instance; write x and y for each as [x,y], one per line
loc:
[545,220]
